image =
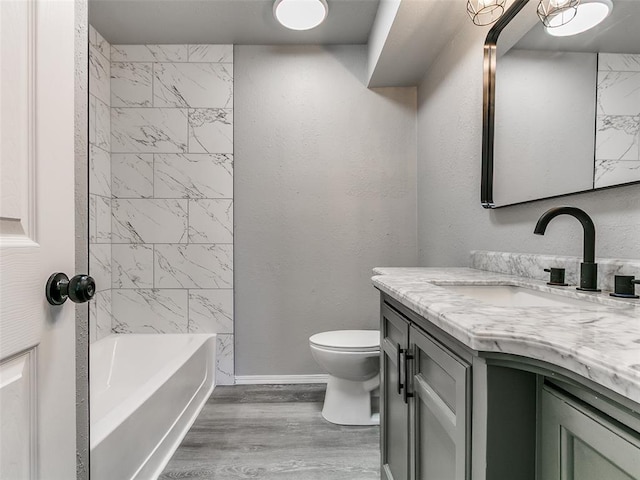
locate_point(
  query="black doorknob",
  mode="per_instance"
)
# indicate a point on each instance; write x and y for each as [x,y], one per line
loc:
[79,289]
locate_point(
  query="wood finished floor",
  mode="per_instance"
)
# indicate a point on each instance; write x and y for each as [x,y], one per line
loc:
[273,432]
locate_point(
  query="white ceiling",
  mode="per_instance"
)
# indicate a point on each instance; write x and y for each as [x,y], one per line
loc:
[224,21]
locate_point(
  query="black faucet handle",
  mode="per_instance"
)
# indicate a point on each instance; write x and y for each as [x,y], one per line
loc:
[624,286]
[556,277]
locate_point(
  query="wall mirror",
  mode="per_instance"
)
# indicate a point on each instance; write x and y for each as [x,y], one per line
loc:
[561,114]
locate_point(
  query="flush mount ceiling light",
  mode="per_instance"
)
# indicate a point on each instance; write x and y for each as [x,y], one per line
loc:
[589,14]
[485,12]
[300,14]
[556,13]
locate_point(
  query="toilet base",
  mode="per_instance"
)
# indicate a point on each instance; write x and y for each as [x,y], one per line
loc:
[349,403]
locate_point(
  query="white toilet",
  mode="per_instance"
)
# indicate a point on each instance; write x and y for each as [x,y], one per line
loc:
[352,359]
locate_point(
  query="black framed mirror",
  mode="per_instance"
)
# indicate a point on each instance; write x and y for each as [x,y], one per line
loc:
[561,115]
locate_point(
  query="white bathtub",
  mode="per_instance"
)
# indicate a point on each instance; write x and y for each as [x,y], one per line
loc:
[146,391]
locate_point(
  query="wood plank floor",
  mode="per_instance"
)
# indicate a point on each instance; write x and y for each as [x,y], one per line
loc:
[273,432]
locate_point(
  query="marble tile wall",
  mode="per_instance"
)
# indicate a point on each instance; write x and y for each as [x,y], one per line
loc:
[172,189]
[100,191]
[618,119]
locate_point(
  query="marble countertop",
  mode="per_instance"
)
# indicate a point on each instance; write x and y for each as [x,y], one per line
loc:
[600,341]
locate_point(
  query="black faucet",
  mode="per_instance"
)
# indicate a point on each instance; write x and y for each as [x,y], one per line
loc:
[588,269]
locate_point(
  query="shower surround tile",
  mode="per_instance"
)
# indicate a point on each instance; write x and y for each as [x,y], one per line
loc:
[211,221]
[617,137]
[131,85]
[620,62]
[100,265]
[211,311]
[103,126]
[132,266]
[103,314]
[193,266]
[615,172]
[149,221]
[103,220]
[99,172]
[199,85]
[193,176]
[619,93]
[149,53]
[92,218]
[99,75]
[92,119]
[132,175]
[211,53]
[224,360]
[211,130]
[149,311]
[148,130]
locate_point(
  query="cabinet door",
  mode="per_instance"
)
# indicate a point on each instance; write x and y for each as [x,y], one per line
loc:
[578,444]
[394,413]
[439,412]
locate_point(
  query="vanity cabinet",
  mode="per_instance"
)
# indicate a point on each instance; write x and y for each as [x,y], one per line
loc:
[452,413]
[577,442]
[425,405]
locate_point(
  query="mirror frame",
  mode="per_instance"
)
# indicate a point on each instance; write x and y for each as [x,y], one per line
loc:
[488,114]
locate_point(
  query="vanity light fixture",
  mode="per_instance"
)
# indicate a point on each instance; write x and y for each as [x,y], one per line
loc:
[485,12]
[300,14]
[556,13]
[589,14]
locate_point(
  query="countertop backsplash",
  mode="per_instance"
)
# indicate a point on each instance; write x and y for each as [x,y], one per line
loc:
[531,265]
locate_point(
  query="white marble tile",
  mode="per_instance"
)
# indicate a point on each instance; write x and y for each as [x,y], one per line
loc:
[225,372]
[149,221]
[103,220]
[99,76]
[619,93]
[211,221]
[92,36]
[615,172]
[103,314]
[211,130]
[92,119]
[149,311]
[148,130]
[103,46]
[131,85]
[620,62]
[93,199]
[132,175]
[103,126]
[211,311]
[100,265]
[149,53]
[93,320]
[211,53]
[195,85]
[132,266]
[193,266]
[193,176]
[617,137]
[99,172]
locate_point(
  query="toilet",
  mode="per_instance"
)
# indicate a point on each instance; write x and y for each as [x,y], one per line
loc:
[352,359]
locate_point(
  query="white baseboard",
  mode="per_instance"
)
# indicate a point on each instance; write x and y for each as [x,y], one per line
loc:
[280,379]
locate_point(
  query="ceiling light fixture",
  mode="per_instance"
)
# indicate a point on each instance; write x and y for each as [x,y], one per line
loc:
[485,12]
[556,13]
[589,14]
[300,14]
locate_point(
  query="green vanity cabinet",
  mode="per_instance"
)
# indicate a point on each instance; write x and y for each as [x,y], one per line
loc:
[577,442]
[425,402]
[439,410]
[394,415]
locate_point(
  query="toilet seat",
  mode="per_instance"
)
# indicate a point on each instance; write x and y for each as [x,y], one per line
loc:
[347,340]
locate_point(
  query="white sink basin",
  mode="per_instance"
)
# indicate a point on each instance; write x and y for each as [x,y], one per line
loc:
[513,296]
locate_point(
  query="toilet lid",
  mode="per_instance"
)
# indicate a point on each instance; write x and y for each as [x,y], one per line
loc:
[348,339]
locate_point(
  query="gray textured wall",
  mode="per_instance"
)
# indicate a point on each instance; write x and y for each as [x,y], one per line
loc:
[325,190]
[451,221]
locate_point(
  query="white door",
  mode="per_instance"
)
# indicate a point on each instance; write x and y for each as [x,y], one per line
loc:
[37,340]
